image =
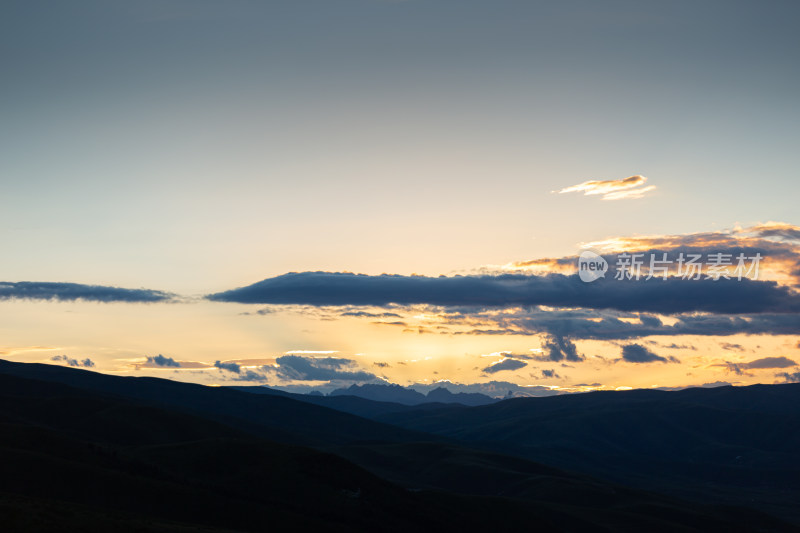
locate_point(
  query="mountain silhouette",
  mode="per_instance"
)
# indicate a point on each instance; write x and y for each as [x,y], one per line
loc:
[382,393]
[403,395]
[90,452]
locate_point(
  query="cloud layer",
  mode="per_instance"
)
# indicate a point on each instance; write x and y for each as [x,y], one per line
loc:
[669,296]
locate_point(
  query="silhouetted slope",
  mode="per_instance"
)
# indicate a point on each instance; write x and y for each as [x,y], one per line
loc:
[727,444]
[32,515]
[469,471]
[100,458]
[275,417]
[62,444]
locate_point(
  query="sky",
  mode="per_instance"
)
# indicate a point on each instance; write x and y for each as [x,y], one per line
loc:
[156,156]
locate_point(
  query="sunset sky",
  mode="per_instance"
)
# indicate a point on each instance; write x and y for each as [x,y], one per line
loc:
[458,155]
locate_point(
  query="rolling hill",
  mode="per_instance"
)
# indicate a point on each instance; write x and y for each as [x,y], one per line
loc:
[89,452]
[735,445]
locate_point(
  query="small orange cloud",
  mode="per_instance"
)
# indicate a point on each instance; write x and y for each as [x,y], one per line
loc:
[630,187]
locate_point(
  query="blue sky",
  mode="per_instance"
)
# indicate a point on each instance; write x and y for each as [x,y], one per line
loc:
[198,146]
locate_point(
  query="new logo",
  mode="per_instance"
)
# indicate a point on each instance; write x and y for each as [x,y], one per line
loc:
[591,266]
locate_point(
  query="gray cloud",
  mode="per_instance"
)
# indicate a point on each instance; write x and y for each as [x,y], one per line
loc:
[160,360]
[789,378]
[506,364]
[512,355]
[230,367]
[365,314]
[769,362]
[732,346]
[300,368]
[636,353]
[609,325]
[250,375]
[716,384]
[759,364]
[67,292]
[674,346]
[85,363]
[559,348]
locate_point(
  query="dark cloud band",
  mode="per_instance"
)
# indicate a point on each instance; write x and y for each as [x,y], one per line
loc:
[602,325]
[669,296]
[68,292]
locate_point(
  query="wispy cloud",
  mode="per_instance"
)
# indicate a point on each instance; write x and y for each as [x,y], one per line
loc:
[58,291]
[627,188]
[613,325]
[789,377]
[311,352]
[776,229]
[758,364]
[164,362]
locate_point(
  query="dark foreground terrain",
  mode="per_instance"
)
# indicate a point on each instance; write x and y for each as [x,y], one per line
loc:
[83,451]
